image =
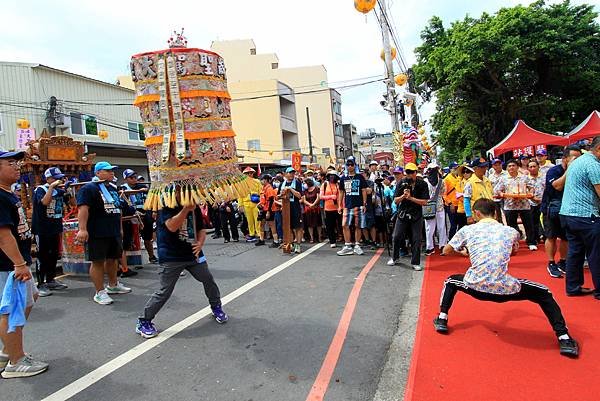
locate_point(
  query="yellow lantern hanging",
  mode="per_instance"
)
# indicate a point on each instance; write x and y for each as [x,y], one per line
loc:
[103,134]
[22,123]
[393,51]
[401,79]
[364,6]
[421,130]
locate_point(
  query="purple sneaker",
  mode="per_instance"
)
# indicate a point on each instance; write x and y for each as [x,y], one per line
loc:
[146,329]
[220,316]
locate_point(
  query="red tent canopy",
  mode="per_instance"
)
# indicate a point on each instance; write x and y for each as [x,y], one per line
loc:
[523,135]
[589,128]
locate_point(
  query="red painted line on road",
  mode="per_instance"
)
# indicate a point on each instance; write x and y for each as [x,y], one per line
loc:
[323,379]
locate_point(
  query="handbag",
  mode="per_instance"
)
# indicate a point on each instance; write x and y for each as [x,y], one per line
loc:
[430,209]
[254,198]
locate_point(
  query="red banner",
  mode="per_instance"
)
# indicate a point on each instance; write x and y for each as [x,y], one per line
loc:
[297,161]
[528,150]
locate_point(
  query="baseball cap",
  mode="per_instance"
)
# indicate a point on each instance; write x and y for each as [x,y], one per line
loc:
[453,165]
[309,172]
[128,173]
[104,166]
[290,170]
[266,177]
[542,152]
[53,172]
[373,163]
[410,166]
[481,162]
[140,177]
[350,160]
[11,155]
[522,157]
[398,170]
[496,161]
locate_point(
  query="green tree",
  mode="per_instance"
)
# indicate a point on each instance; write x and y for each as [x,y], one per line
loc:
[539,63]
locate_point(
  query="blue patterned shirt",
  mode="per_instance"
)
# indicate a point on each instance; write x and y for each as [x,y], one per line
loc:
[489,244]
[579,197]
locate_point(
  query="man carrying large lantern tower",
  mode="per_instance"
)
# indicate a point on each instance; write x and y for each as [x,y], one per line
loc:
[184,103]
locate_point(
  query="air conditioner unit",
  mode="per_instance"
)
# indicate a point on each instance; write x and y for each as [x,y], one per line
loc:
[63,121]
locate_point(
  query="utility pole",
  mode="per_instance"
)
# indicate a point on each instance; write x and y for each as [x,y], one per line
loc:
[389,66]
[310,148]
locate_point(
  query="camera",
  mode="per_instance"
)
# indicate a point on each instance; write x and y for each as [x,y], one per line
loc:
[404,184]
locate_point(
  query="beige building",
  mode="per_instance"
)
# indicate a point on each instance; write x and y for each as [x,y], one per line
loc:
[83,107]
[269,106]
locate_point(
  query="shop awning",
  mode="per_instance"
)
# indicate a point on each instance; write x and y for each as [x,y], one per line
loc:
[522,135]
[590,127]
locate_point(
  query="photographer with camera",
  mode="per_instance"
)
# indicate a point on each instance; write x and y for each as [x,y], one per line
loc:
[411,194]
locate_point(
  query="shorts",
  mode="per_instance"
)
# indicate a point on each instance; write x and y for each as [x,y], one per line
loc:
[354,215]
[368,220]
[31,289]
[98,249]
[295,218]
[553,228]
[148,230]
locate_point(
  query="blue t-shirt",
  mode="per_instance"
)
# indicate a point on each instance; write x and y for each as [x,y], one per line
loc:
[550,193]
[47,220]
[177,246]
[137,200]
[579,197]
[13,216]
[352,185]
[104,219]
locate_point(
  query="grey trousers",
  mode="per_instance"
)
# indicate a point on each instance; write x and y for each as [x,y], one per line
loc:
[169,274]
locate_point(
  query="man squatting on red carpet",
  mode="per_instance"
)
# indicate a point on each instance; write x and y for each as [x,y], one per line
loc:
[489,246]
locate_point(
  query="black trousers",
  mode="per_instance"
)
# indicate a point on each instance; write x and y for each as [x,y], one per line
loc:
[511,220]
[412,229]
[215,219]
[461,220]
[452,219]
[228,221]
[331,224]
[48,256]
[535,222]
[530,291]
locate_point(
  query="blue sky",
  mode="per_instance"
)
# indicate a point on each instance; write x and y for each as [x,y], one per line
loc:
[97,38]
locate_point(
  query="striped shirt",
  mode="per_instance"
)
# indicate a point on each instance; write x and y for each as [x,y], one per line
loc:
[579,197]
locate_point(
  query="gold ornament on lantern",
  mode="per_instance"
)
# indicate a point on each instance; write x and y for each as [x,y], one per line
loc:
[421,130]
[364,6]
[103,134]
[393,51]
[401,79]
[22,123]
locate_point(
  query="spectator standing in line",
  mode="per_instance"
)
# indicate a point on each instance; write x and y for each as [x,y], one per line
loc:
[329,194]
[435,184]
[353,197]
[15,258]
[515,183]
[551,203]
[477,187]
[523,165]
[494,175]
[451,181]
[374,172]
[538,183]
[580,214]
[312,210]
[292,188]
[47,226]
[229,223]
[544,163]
[465,173]
[411,194]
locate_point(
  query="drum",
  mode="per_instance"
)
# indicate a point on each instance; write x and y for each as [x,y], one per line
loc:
[73,254]
[184,104]
[134,254]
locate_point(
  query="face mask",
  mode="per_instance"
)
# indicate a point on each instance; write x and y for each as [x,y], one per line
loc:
[276,184]
[304,186]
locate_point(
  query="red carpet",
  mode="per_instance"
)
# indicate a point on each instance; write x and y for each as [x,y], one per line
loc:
[504,352]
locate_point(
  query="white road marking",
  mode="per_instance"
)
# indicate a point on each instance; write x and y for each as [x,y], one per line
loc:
[109,367]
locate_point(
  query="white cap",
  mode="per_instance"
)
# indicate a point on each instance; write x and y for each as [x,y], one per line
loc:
[373,163]
[433,165]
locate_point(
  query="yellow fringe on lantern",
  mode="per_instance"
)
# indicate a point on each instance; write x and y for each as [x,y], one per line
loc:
[184,95]
[154,140]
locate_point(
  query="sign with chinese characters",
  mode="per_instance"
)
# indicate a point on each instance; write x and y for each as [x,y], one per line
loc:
[528,150]
[24,136]
[297,161]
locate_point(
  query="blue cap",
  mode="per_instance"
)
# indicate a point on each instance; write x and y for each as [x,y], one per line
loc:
[453,165]
[496,161]
[481,162]
[11,155]
[351,160]
[53,172]
[522,157]
[128,173]
[290,170]
[104,166]
[542,152]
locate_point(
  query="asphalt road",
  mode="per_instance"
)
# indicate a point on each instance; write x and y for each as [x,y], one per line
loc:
[271,349]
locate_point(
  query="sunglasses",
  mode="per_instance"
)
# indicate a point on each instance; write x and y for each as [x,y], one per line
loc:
[410,171]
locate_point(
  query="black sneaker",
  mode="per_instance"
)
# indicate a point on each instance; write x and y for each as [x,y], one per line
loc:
[553,270]
[275,244]
[440,325]
[562,266]
[569,347]
[429,252]
[129,273]
[226,241]
[215,236]
[153,260]
[260,242]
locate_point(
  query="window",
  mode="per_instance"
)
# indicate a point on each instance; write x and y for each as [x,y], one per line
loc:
[254,144]
[136,131]
[274,66]
[253,52]
[326,151]
[82,124]
[1,124]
